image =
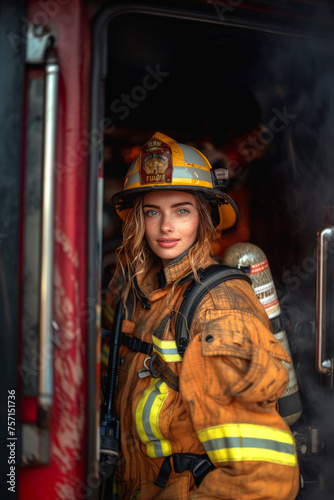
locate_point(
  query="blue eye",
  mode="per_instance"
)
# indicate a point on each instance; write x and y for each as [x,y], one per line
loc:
[183,211]
[151,212]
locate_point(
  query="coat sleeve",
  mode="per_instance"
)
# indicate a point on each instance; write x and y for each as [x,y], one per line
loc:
[231,379]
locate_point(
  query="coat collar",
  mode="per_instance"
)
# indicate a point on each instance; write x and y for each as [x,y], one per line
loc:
[158,280]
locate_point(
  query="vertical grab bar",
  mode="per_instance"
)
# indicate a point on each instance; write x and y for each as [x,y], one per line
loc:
[322,365]
[45,385]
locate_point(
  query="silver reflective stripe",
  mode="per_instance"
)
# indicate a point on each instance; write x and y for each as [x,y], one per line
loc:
[166,349]
[166,352]
[236,442]
[191,156]
[134,178]
[191,173]
[248,442]
[132,167]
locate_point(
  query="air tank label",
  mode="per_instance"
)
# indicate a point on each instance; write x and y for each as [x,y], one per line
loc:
[258,268]
[268,298]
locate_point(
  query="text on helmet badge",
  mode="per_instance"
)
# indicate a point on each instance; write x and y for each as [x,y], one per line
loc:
[155,162]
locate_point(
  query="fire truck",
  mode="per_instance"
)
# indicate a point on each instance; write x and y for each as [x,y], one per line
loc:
[83,85]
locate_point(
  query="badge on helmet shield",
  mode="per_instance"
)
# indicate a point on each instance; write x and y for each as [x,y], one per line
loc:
[155,162]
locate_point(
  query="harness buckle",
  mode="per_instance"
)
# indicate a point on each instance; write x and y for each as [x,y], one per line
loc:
[135,344]
[144,372]
[198,465]
[200,469]
[155,371]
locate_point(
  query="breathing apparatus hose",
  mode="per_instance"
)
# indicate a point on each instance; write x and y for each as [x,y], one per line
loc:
[109,423]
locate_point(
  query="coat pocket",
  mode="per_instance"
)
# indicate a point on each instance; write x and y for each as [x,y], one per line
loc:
[236,366]
[225,334]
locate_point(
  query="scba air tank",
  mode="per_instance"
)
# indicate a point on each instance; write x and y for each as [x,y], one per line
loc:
[253,261]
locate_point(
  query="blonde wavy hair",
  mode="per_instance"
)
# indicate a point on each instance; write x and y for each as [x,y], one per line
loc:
[135,258]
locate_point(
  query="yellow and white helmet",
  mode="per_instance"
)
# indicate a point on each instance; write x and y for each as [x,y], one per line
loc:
[164,163]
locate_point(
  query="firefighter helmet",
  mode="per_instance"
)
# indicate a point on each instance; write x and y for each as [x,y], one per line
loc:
[164,163]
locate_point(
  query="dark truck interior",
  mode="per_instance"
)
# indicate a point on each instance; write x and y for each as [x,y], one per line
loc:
[259,100]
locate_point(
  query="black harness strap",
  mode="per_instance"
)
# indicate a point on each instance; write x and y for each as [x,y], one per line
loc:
[195,292]
[162,325]
[210,277]
[157,367]
[198,465]
[136,345]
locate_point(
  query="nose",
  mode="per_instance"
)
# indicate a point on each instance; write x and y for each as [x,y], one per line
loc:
[166,225]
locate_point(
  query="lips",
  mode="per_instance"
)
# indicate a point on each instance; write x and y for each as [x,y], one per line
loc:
[167,243]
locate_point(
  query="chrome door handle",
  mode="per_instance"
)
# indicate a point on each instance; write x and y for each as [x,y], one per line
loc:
[322,363]
[45,386]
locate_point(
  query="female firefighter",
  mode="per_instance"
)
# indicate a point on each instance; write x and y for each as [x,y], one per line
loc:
[200,422]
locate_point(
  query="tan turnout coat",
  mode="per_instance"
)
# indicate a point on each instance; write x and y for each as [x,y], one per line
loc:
[230,379]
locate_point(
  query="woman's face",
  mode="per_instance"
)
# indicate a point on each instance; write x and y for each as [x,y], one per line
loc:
[171,222]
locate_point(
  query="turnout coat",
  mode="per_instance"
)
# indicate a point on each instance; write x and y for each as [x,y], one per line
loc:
[224,404]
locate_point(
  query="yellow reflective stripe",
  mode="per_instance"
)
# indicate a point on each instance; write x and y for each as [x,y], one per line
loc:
[147,419]
[167,350]
[247,430]
[105,354]
[109,313]
[251,455]
[117,490]
[248,442]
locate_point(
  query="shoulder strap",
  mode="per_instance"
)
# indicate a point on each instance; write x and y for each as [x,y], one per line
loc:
[210,278]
